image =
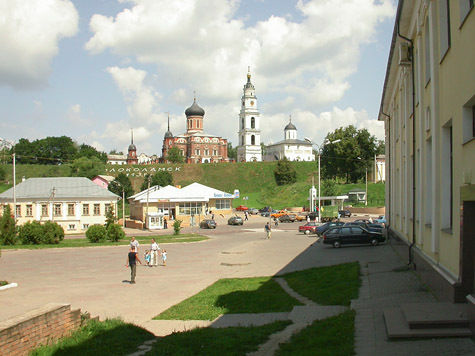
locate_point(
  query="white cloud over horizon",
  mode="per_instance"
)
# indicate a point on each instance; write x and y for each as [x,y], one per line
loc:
[202,45]
[30,32]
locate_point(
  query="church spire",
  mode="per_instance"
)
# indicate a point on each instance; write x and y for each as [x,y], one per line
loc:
[132,136]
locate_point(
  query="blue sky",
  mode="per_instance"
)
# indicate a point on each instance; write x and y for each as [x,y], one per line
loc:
[93,69]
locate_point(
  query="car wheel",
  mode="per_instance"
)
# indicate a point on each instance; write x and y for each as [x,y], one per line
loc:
[374,242]
[336,244]
[307,232]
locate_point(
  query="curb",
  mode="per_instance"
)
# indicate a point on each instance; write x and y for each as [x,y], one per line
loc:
[10,285]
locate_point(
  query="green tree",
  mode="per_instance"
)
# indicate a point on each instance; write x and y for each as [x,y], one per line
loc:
[89,152]
[115,232]
[348,158]
[87,167]
[329,188]
[284,172]
[115,152]
[3,173]
[175,156]
[380,147]
[119,183]
[110,216]
[161,178]
[177,227]
[232,152]
[7,227]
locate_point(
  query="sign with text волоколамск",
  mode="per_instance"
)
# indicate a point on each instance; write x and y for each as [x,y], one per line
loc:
[140,171]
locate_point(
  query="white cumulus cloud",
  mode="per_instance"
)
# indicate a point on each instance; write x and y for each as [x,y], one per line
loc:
[30,32]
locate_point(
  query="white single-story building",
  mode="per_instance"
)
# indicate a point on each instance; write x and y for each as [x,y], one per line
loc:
[190,204]
[75,203]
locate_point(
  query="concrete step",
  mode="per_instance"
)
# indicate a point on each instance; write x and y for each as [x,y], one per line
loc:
[436,315]
[398,328]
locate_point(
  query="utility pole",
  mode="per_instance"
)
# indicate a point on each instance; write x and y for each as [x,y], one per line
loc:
[14,183]
[366,193]
[53,191]
[123,207]
[148,191]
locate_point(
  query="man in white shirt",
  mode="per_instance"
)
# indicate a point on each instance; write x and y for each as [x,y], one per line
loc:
[134,244]
[154,253]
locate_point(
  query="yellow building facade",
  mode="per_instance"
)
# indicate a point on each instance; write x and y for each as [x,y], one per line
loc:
[75,203]
[428,107]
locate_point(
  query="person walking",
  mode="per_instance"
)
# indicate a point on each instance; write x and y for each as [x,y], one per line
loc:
[135,244]
[246,217]
[268,230]
[131,261]
[165,224]
[154,249]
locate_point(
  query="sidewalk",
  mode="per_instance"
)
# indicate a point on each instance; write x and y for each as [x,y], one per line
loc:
[387,283]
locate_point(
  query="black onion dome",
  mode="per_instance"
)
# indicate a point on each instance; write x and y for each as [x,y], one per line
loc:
[132,147]
[290,126]
[168,134]
[195,110]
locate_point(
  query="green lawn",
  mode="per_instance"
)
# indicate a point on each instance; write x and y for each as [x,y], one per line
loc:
[83,242]
[333,285]
[328,337]
[110,337]
[222,341]
[114,337]
[232,295]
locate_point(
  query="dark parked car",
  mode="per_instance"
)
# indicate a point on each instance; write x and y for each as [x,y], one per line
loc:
[366,226]
[344,213]
[287,218]
[208,224]
[308,228]
[265,214]
[235,220]
[322,228]
[348,235]
[265,209]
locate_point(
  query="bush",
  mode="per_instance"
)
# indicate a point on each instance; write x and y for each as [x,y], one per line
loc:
[52,233]
[7,227]
[31,233]
[177,227]
[96,233]
[115,232]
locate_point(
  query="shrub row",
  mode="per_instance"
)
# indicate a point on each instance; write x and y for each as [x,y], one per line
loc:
[98,233]
[34,233]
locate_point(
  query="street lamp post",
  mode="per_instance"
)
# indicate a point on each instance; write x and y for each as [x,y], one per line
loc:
[319,152]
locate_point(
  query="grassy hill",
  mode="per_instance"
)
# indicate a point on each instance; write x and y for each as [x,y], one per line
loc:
[254,180]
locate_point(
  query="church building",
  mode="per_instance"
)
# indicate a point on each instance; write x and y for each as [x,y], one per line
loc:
[195,145]
[132,151]
[249,149]
[291,148]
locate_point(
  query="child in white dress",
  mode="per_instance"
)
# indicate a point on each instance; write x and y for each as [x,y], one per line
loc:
[164,257]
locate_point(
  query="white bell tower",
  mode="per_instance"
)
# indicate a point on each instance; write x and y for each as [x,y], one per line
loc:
[249,148]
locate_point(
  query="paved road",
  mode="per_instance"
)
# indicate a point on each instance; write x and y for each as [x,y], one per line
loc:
[93,279]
